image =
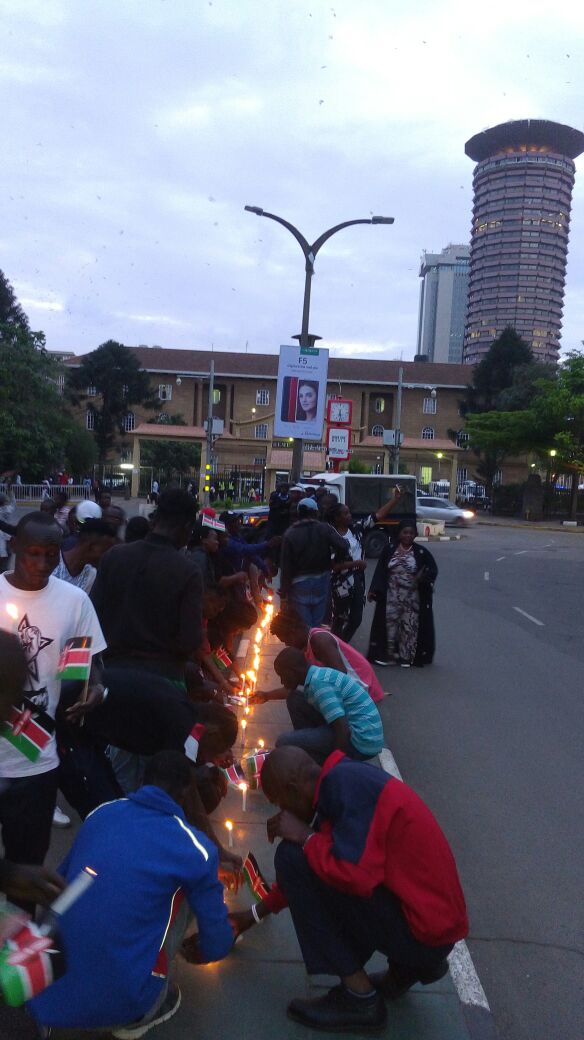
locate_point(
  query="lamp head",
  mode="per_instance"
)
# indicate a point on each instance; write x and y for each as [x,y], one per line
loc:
[380,220]
[255,209]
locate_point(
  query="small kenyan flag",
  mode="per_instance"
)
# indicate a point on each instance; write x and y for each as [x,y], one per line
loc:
[253,765]
[254,878]
[222,659]
[75,659]
[29,962]
[235,775]
[193,740]
[28,730]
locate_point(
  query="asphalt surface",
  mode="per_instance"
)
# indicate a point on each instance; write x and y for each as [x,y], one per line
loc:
[491,737]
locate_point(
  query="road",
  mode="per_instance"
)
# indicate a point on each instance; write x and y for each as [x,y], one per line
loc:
[491,736]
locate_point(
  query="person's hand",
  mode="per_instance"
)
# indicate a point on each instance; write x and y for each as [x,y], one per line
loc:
[371,597]
[398,491]
[241,921]
[275,541]
[225,760]
[30,884]
[241,577]
[359,565]
[230,870]
[257,697]
[421,575]
[94,697]
[286,825]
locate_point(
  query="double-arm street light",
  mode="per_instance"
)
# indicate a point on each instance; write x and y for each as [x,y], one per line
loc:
[310,252]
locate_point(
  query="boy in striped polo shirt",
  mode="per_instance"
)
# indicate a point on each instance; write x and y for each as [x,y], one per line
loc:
[329,710]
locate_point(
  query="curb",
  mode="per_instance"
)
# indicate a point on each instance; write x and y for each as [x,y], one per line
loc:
[531,527]
[475,1007]
[438,538]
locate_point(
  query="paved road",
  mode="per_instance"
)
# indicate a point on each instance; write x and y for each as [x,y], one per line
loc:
[491,736]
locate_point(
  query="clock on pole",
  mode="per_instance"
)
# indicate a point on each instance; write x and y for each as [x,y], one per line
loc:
[340,411]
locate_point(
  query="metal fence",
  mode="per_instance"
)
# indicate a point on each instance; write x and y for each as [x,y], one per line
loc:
[36,492]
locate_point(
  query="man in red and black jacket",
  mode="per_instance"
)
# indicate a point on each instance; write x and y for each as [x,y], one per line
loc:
[363,866]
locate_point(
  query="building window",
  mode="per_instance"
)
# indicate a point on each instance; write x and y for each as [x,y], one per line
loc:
[263,397]
[90,419]
[428,433]
[60,384]
[462,474]
[260,460]
[216,396]
[261,431]
[163,417]
[425,475]
[379,405]
[165,392]
[377,431]
[92,391]
[429,406]
[498,478]
[462,438]
[129,422]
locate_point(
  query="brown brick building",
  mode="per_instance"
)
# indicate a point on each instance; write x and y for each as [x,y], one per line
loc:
[244,400]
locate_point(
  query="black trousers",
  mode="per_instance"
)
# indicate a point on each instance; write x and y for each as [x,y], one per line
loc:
[338,932]
[27,804]
[348,613]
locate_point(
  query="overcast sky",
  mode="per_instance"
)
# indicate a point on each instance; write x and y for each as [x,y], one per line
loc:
[135,131]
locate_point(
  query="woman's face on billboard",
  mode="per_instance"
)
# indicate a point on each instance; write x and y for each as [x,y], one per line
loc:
[307,398]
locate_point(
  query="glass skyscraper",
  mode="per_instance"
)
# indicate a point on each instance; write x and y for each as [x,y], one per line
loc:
[443,303]
[523,185]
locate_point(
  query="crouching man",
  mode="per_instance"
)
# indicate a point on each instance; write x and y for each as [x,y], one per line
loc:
[364,867]
[120,938]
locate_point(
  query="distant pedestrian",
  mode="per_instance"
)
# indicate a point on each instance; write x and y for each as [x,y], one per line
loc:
[305,562]
[403,624]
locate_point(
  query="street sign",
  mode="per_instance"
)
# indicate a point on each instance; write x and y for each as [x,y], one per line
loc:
[338,443]
[390,438]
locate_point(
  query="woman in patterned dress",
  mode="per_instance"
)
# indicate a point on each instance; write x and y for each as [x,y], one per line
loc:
[403,624]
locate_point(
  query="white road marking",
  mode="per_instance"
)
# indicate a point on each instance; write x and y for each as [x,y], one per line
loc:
[529,617]
[522,552]
[499,558]
[487,576]
[464,974]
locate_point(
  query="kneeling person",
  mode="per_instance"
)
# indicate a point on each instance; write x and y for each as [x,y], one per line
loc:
[370,871]
[121,936]
[329,710]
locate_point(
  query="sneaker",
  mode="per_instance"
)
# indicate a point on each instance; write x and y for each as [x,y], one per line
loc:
[60,819]
[382,663]
[405,664]
[339,1011]
[168,1008]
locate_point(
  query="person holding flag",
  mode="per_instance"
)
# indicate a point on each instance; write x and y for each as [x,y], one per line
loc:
[49,617]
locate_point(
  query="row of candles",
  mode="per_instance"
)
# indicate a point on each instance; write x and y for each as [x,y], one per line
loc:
[248,685]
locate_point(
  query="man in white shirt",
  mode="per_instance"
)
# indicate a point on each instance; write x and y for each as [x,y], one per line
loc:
[45,613]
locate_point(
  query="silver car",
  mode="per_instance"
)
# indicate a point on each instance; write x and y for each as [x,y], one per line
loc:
[428,508]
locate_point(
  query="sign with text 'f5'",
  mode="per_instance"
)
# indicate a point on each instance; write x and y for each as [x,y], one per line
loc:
[337,443]
[301,393]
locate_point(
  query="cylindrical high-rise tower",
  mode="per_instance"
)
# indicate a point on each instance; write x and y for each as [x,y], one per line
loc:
[521,217]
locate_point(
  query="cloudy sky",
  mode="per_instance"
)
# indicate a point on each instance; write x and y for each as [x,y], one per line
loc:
[135,131]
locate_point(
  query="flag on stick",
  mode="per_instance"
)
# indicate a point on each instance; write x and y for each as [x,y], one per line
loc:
[28,730]
[254,878]
[253,765]
[222,659]
[75,659]
[235,775]
[193,740]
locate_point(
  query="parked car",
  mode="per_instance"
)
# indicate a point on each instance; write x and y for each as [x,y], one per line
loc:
[428,508]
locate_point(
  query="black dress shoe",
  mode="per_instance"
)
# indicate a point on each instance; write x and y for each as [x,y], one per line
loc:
[398,979]
[340,1012]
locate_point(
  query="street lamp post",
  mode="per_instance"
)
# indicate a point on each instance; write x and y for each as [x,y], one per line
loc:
[310,252]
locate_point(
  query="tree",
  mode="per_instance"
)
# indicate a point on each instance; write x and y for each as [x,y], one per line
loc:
[114,373]
[171,458]
[80,452]
[505,381]
[34,423]
[11,313]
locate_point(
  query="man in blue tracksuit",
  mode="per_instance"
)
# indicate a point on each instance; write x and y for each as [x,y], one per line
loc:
[120,937]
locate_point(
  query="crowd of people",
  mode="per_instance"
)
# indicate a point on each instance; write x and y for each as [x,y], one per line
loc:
[117,644]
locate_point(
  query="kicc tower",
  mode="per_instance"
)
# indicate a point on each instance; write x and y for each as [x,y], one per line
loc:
[522,186]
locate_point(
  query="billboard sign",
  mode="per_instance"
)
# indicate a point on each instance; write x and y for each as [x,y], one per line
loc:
[301,393]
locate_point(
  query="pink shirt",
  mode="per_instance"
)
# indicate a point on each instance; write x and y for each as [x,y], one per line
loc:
[356,665]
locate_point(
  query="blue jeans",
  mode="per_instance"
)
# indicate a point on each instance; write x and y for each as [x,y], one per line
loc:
[310,597]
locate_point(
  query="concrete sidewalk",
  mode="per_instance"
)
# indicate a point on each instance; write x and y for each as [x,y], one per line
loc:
[247,993]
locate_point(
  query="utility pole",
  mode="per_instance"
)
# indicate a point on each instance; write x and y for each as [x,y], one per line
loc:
[398,410]
[207,484]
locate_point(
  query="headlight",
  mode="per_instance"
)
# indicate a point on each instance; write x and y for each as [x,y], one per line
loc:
[467,514]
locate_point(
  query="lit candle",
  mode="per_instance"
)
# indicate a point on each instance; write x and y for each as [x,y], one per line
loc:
[270,598]
[258,636]
[246,710]
[243,729]
[256,662]
[229,827]
[12,611]
[243,789]
[261,745]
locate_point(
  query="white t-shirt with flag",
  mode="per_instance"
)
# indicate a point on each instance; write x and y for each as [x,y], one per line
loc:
[45,621]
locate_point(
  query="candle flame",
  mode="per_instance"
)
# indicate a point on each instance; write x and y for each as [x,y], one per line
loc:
[247,710]
[261,743]
[242,787]
[243,723]
[229,825]
[251,675]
